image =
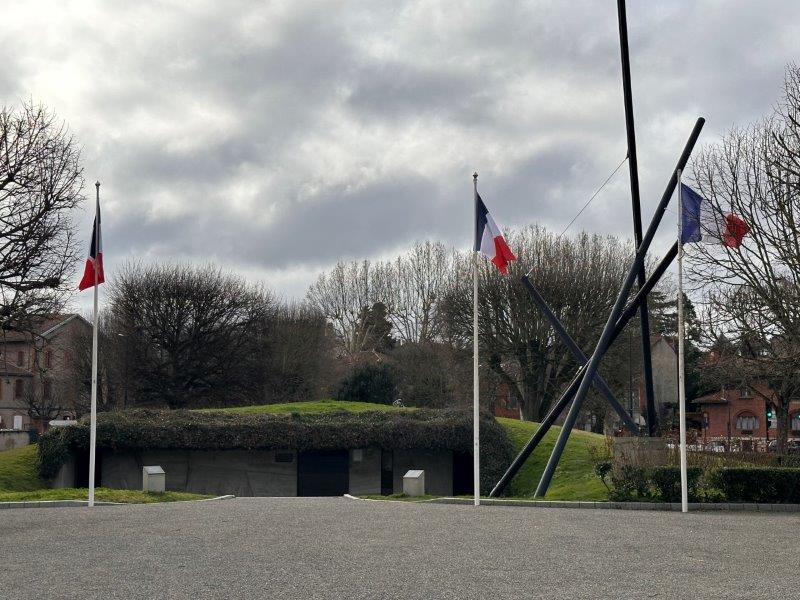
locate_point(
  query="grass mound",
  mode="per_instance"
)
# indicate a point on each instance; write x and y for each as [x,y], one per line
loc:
[19,470]
[314,406]
[574,478]
[100,495]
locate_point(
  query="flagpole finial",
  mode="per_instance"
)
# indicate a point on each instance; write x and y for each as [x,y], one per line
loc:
[97,184]
[475,175]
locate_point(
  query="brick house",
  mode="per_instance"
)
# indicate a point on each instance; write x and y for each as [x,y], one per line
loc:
[740,414]
[37,371]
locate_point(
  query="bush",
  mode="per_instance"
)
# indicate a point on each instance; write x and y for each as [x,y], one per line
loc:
[190,430]
[769,485]
[629,484]
[368,383]
[667,482]
[759,484]
[662,484]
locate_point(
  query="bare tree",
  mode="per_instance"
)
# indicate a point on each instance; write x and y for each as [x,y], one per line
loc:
[413,284]
[753,291]
[579,277]
[342,295]
[41,182]
[297,355]
[192,333]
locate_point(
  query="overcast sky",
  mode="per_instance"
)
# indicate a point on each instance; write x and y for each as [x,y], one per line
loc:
[275,138]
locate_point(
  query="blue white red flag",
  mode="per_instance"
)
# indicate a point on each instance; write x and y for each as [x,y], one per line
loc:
[94,262]
[703,223]
[489,240]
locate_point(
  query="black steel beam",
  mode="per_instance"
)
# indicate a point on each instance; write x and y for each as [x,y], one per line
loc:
[578,354]
[563,401]
[619,305]
[633,168]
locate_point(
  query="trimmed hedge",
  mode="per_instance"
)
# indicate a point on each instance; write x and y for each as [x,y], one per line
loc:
[759,484]
[190,430]
[662,484]
[667,481]
[769,485]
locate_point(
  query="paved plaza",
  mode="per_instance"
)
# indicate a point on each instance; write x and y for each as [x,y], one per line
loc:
[343,548]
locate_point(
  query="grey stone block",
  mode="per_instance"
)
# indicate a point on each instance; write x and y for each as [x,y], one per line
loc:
[414,482]
[153,479]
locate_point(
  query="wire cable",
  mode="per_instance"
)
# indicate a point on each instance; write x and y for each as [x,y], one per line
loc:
[589,201]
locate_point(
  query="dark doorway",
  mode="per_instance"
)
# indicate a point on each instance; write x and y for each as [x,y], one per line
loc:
[462,474]
[387,472]
[323,473]
[82,468]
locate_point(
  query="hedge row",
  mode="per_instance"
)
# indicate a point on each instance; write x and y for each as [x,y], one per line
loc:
[663,484]
[772,485]
[188,430]
[759,484]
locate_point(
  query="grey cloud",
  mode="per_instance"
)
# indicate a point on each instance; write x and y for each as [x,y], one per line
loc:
[192,103]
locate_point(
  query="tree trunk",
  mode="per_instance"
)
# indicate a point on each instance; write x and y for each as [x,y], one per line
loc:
[782,414]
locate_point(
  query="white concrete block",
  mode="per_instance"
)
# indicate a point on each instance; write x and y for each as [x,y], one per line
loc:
[414,483]
[153,479]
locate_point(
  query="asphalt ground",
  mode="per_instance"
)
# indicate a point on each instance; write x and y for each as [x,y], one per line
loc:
[343,548]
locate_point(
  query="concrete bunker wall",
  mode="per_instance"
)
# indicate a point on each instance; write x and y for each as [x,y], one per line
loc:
[265,472]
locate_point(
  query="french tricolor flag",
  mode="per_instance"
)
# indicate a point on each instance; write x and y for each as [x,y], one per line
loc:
[489,241]
[94,262]
[702,223]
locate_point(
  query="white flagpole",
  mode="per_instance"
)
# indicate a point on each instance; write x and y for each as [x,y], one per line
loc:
[93,426]
[476,435]
[681,378]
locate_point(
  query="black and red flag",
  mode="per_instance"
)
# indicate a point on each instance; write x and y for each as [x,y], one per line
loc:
[93,271]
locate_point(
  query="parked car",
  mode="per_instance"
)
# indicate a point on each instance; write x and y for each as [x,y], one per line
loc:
[792,446]
[715,446]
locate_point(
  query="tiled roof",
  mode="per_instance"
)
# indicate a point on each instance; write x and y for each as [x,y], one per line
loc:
[43,325]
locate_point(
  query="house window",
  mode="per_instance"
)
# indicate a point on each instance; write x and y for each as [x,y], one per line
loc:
[745,393]
[746,423]
[48,359]
[796,423]
[20,359]
[47,389]
[18,388]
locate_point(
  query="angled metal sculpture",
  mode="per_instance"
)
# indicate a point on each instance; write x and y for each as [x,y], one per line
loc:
[617,321]
[620,314]
[633,168]
[578,354]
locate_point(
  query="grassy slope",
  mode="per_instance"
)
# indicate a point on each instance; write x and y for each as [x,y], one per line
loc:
[19,470]
[574,478]
[19,481]
[316,406]
[100,494]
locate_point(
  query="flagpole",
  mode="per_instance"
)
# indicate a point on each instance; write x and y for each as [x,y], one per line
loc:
[476,436]
[93,426]
[681,377]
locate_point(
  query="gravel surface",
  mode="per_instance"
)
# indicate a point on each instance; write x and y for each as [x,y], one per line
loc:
[342,548]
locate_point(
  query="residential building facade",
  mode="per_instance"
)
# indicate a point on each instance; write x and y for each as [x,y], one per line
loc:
[37,371]
[740,413]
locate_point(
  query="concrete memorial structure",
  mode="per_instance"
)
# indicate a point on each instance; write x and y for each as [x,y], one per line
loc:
[272,473]
[277,455]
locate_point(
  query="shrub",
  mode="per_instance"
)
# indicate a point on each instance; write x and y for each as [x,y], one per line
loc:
[667,482]
[759,484]
[629,483]
[368,383]
[191,430]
